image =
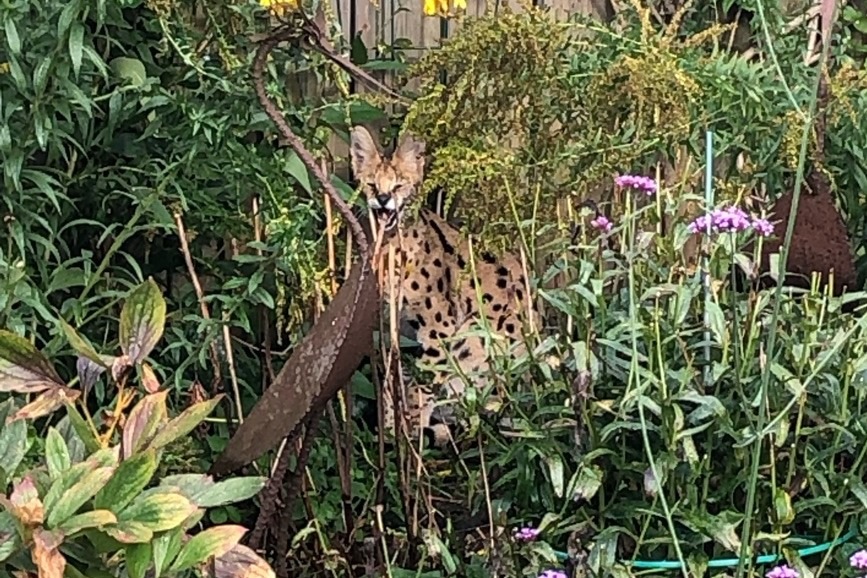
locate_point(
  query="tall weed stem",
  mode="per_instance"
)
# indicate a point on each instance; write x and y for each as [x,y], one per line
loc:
[745,564]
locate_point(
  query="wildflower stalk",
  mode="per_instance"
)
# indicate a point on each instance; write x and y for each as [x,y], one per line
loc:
[634,380]
[744,564]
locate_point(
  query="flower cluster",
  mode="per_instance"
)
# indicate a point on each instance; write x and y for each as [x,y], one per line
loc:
[602,223]
[279,7]
[782,571]
[636,182]
[552,574]
[858,560]
[730,220]
[526,534]
[441,7]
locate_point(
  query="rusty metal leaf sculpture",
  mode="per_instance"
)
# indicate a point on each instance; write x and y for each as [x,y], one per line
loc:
[326,358]
[317,369]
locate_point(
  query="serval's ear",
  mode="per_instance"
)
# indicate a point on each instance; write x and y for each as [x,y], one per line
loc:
[363,151]
[409,158]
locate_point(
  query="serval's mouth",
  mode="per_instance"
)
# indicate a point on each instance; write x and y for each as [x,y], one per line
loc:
[386,212]
[387,218]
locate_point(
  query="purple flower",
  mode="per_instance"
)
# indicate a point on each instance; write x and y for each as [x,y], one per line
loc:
[637,182]
[602,223]
[552,574]
[526,534]
[782,571]
[763,227]
[730,219]
[858,560]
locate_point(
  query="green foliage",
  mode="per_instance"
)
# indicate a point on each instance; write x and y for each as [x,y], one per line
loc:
[618,446]
[93,492]
[122,120]
[525,114]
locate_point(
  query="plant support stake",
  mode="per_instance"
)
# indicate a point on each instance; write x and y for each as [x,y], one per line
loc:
[705,265]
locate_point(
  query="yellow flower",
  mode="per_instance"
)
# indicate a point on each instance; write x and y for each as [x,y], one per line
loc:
[279,7]
[4,67]
[441,7]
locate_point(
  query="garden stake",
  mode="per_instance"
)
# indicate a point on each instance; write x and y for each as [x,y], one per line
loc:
[705,266]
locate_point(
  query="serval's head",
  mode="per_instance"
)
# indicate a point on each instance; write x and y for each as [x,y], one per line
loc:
[388,181]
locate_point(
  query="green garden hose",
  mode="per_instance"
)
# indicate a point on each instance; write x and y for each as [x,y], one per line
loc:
[729,562]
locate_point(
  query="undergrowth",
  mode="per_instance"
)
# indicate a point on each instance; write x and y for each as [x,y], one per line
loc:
[133,147]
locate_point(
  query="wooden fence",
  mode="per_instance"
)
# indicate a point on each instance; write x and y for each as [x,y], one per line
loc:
[382,22]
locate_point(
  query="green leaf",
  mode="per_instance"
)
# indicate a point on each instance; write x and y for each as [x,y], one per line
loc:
[87,520]
[722,528]
[81,345]
[298,171]
[13,444]
[76,43]
[143,422]
[11,540]
[860,491]
[83,430]
[23,369]
[129,479]
[13,41]
[158,512]
[588,481]
[40,78]
[785,514]
[75,497]
[555,470]
[129,69]
[229,491]
[185,422]
[165,547]
[211,542]
[138,559]
[358,53]
[142,321]
[70,12]
[717,323]
[190,485]
[101,458]
[130,532]
[56,454]
[787,378]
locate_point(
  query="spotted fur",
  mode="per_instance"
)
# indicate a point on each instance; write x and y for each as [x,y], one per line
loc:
[441,298]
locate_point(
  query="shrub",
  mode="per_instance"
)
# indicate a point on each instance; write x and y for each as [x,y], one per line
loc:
[86,498]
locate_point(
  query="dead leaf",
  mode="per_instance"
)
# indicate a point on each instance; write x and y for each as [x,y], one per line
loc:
[45,554]
[149,379]
[242,562]
[27,506]
[120,367]
[46,403]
